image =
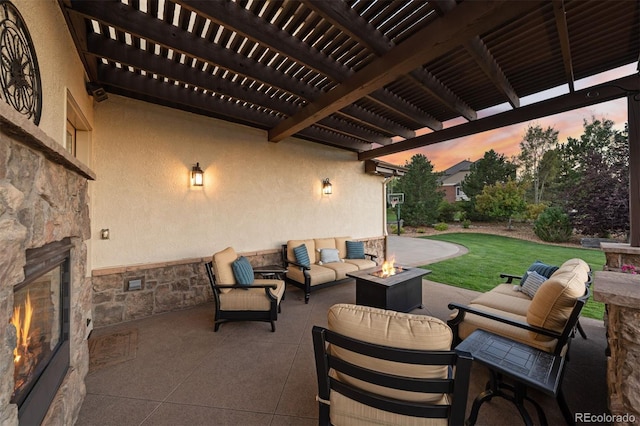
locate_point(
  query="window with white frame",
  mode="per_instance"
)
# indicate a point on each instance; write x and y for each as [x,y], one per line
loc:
[78,132]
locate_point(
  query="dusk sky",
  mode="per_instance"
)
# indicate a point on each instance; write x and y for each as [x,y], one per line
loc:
[507,139]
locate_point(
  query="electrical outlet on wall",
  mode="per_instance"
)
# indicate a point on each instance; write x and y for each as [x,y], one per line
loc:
[134,284]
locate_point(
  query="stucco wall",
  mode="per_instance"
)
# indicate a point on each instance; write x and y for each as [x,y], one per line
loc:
[60,66]
[256,194]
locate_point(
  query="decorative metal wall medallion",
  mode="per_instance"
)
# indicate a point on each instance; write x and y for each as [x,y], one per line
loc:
[19,72]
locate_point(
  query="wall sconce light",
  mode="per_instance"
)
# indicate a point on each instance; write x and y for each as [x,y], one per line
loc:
[104,234]
[326,187]
[197,175]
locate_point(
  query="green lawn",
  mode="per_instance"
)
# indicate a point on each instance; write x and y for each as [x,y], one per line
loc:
[490,255]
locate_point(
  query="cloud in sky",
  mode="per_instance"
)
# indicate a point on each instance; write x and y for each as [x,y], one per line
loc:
[507,140]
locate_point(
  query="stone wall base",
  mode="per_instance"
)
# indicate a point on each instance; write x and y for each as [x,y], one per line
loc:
[169,286]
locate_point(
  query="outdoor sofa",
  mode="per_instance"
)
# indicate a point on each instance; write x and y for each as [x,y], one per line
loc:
[317,263]
[518,311]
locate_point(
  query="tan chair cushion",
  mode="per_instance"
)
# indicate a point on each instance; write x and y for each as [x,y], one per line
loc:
[508,290]
[553,302]
[345,411]
[341,269]
[513,302]
[361,263]
[251,299]
[473,322]
[222,268]
[319,274]
[341,245]
[393,329]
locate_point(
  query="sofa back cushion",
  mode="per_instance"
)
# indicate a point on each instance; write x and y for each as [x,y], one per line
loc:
[222,268]
[393,329]
[321,243]
[311,249]
[341,245]
[553,302]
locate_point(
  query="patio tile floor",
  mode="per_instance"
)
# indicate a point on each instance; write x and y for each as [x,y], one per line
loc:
[185,374]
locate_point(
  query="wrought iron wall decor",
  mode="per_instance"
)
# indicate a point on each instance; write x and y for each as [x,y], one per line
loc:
[19,72]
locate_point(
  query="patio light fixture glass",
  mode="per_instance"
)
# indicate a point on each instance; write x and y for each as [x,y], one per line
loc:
[197,175]
[326,187]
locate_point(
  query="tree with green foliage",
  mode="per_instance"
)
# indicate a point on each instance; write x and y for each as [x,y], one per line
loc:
[535,143]
[594,178]
[488,170]
[548,171]
[421,196]
[502,200]
[599,137]
[553,225]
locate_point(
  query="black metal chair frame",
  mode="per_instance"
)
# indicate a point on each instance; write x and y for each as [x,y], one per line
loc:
[516,393]
[457,386]
[306,286]
[223,316]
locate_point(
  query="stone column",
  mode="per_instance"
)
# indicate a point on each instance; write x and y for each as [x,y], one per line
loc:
[621,294]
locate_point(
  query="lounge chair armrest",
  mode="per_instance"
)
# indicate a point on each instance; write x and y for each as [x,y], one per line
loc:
[302,267]
[371,255]
[272,286]
[510,277]
[463,309]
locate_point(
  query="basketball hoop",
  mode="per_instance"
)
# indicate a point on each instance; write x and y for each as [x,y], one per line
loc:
[395,199]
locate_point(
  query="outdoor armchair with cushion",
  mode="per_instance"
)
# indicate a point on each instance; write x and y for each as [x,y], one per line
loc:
[383,367]
[253,300]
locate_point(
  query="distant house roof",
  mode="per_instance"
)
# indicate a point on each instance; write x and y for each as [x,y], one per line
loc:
[463,166]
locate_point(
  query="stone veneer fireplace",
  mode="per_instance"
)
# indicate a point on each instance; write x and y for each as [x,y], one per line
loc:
[43,205]
[41,321]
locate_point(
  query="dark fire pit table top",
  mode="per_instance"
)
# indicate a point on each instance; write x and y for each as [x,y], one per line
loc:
[405,274]
[400,292]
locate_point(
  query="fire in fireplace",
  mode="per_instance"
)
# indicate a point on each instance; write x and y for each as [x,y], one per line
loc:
[388,269]
[41,322]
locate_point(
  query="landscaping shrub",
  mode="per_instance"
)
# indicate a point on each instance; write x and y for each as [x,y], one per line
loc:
[394,229]
[553,225]
[447,211]
[534,210]
[441,226]
[466,223]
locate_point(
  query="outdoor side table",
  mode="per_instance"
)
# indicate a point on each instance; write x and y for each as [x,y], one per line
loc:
[275,272]
[526,366]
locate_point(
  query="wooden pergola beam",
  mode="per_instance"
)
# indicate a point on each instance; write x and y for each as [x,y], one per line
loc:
[487,63]
[349,21]
[465,21]
[590,96]
[238,19]
[565,46]
[141,25]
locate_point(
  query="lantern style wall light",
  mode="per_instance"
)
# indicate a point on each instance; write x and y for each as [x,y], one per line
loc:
[326,187]
[197,175]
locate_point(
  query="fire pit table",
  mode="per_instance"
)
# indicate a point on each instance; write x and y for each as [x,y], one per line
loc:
[399,291]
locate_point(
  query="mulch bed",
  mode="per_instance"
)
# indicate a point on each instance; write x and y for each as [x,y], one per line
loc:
[523,231]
